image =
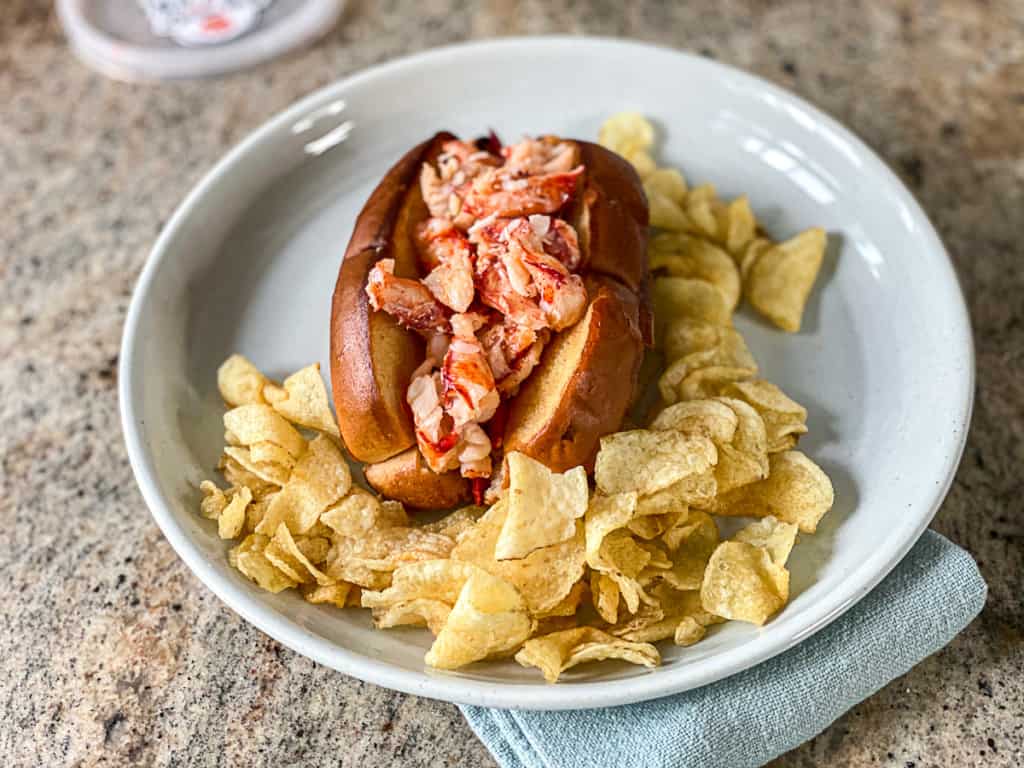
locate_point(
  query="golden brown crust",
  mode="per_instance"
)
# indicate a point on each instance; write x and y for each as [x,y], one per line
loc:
[615,237]
[372,358]
[584,384]
[407,478]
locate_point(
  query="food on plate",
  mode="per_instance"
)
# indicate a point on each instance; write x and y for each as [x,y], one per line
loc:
[444,388]
[491,300]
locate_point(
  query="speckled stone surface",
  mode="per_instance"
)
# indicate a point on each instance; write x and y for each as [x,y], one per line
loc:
[112,653]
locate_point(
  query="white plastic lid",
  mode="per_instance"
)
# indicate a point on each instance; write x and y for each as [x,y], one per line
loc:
[173,39]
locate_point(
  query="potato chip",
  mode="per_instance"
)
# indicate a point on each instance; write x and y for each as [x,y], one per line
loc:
[702,212]
[284,553]
[680,298]
[668,182]
[331,594]
[693,257]
[559,651]
[258,423]
[626,132]
[544,577]
[691,545]
[688,632]
[239,476]
[650,527]
[740,225]
[271,453]
[305,402]
[621,554]
[240,382]
[274,393]
[653,623]
[319,479]
[784,419]
[641,161]
[432,579]
[698,490]
[454,524]
[567,606]
[255,512]
[604,594]
[709,418]
[666,213]
[389,548]
[214,500]
[745,460]
[248,558]
[795,491]
[705,344]
[781,279]
[419,612]
[360,512]
[750,254]
[488,619]
[743,583]
[772,535]
[645,461]
[604,515]
[232,517]
[269,472]
[543,506]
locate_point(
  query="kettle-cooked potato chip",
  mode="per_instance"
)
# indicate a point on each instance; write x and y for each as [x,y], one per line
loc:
[693,257]
[795,491]
[544,578]
[743,583]
[666,213]
[359,512]
[772,535]
[418,612]
[489,618]
[740,225]
[232,517]
[559,651]
[320,478]
[333,594]
[646,461]
[431,579]
[668,182]
[543,506]
[285,554]
[626,132]
[305,401]
[604,593]
[784,419]
[257,423]
[712,419]
[691,545]
[782,277]
[750,254]
[268,471]
[240,382]
[248,557]
[682,298]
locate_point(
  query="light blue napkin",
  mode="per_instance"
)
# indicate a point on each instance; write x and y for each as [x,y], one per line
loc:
[756,715]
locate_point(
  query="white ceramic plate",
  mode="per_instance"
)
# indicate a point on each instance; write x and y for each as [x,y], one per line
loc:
[248,263]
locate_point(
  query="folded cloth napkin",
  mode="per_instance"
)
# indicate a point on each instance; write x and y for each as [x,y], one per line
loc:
[756,715]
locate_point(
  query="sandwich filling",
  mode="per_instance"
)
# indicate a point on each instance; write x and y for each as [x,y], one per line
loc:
[499,262]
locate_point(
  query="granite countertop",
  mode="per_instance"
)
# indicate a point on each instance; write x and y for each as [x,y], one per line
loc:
[112,653]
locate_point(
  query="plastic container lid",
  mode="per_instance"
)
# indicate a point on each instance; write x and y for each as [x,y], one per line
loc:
[173,39]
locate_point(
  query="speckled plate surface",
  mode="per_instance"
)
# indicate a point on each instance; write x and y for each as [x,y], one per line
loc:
[884,363]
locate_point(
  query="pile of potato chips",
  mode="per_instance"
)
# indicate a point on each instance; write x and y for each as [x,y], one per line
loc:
[557,572]
[721,243]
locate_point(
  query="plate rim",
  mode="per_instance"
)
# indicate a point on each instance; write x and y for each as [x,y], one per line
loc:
[565,695]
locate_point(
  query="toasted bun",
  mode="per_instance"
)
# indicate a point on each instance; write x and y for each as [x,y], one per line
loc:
[372,357]
[584,383]
[407,477]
